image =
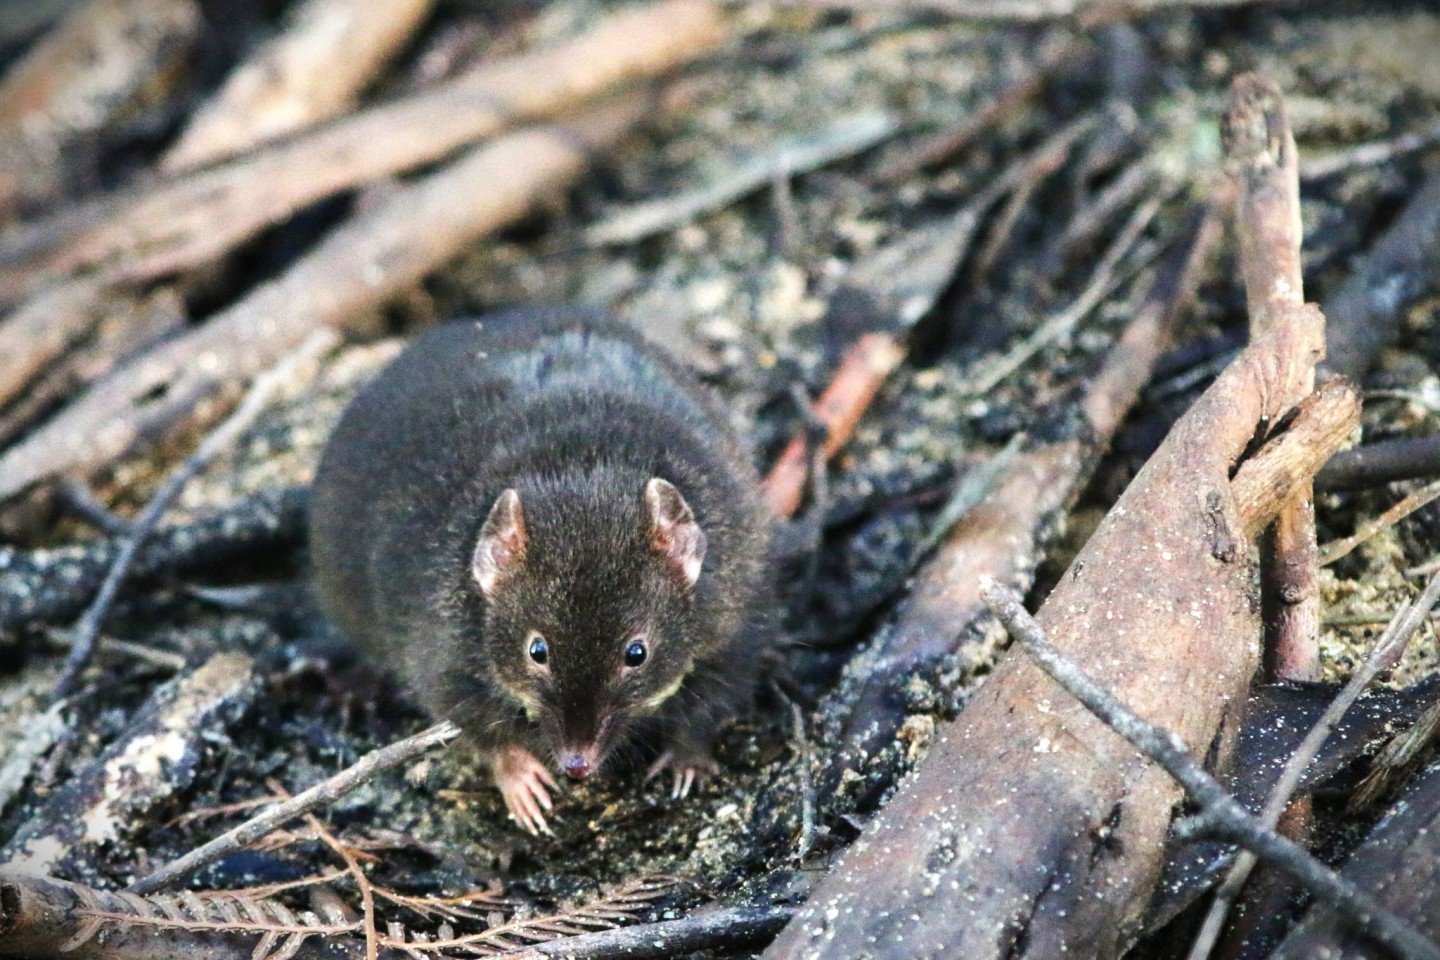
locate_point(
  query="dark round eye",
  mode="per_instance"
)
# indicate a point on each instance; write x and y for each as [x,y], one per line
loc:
[539,650]
[635,653]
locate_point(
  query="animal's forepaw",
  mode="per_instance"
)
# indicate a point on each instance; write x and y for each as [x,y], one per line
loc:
[522,780]
[688,769]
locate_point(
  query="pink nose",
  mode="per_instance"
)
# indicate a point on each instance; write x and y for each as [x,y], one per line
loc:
[577,766]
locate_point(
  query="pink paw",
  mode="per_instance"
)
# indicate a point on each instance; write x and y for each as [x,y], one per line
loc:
[522,781]
[687,770]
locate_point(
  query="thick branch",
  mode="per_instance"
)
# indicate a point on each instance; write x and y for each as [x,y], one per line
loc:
[313,70]
[378,253]
[197,218]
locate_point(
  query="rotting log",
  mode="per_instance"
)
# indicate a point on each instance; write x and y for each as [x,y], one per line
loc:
[314,69]
[100,65]
[376,254]
[148,766]
[195,218]
[1030,828]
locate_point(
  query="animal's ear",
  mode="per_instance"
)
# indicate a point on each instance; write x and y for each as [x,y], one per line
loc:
[674,534]
[501,547]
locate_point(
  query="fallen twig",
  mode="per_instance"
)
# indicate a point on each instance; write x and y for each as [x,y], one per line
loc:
[1336,549]
[327,791]
[1383,656]
[261,392]
[1219,813]
[198,217]
[861,374]
[1103,280]
[731,929]
[787,158]
[1260,150]
[1406,458]
[1369,154]
[329,51]
[363,263]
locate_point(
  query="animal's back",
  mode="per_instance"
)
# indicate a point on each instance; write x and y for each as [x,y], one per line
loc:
[462,412]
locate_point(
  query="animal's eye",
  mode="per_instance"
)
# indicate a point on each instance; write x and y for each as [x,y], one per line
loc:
[635,653]
[539,649]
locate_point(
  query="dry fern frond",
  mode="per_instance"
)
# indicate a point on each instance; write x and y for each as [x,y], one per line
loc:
[281,931]
[614,910]
[462,906]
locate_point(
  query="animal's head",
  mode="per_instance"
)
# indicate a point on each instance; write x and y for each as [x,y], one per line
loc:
[589,607]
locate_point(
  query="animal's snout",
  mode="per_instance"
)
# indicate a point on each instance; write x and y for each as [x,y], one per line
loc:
[578,764]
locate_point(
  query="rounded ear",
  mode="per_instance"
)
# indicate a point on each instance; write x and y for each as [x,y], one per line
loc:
[674,534]
[501,547]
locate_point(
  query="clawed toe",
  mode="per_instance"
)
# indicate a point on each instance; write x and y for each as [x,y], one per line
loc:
[687,772]
[522,780]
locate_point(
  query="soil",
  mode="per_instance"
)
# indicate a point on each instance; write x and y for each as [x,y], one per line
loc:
[744,294]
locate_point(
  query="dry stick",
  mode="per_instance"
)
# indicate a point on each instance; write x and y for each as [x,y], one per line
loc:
[256,400]
[198,217]
[1263,484]
[1336,549]
[1260,150]
[327,791]
[71,336]
[359,266]
[1103,280]
[367,895]
[1383,656]
[862,372]
[730,929]
[874,356]
[313,70]
[1005,104]
[790,156]
[48,325]
[1404,458]
[1221,815]
[1370,154]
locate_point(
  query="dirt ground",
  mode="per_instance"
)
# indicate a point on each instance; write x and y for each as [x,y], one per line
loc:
[749,296]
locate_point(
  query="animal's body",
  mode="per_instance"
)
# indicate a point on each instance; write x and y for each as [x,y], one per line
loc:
[545,526]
